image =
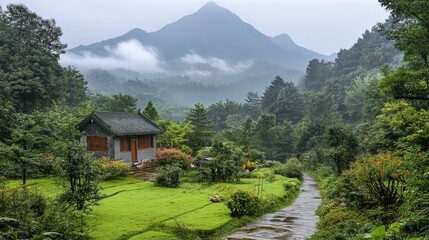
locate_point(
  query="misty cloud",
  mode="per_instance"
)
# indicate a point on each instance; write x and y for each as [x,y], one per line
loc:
[213,62]
[130,55]
[197,73]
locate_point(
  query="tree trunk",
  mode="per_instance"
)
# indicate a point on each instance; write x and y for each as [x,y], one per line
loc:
[24,175]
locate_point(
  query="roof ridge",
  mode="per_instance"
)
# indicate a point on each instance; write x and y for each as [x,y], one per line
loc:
[123,123]
[150,121]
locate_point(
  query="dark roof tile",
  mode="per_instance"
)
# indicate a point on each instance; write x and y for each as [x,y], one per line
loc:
[123,123]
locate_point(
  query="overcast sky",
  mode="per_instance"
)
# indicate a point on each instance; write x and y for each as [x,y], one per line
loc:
[324,26]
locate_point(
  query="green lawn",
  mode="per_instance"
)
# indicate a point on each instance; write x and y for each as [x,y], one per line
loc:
[132,207]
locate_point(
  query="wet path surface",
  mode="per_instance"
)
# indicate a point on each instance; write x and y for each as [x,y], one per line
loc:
[296,221]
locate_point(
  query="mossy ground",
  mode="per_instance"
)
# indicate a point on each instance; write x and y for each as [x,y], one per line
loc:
[138,209]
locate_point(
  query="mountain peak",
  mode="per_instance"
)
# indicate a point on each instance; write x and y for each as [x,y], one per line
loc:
[212,7]
[285,38]
[212,32]
[285,41]
[210,4]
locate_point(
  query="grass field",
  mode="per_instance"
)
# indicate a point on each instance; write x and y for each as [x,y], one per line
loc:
[137,209]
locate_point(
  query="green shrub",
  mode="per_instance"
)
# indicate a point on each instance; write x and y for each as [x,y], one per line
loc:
[347,229]
[167,156]
[335,217]
[169,176]
[27,214]
[412,226]
[312,159]
[220,163]
[254,155]
[350,193]
[245,174]
[9,170]
[323,172]
[271,203]
[113,169]
[264,173]
[291,186]
[250,166]
[290,169]
[191,176]
[270,163]
[242,203]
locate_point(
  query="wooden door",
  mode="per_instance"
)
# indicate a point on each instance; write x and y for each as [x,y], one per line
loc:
[134,149]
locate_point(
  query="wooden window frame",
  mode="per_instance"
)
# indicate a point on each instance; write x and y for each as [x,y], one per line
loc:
[96,143]
[145,142]
[125,144]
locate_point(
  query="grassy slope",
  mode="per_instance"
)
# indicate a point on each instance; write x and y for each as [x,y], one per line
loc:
[133,206]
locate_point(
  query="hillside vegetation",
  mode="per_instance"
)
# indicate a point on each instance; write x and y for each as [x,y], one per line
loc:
[359,124]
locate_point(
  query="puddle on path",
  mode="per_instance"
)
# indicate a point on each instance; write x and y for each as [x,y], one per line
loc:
[294,222]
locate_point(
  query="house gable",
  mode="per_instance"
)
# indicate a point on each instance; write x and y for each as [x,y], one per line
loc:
[95,129]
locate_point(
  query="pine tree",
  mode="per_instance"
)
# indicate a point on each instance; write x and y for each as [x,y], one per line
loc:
[271,93]
[289,104]
[150,112]
[201,133]
[253,105]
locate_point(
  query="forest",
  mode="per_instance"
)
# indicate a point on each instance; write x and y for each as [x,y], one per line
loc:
[359,125]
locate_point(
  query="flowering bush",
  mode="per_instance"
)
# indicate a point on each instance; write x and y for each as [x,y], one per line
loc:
[167,156]
[382,175]
[113,168]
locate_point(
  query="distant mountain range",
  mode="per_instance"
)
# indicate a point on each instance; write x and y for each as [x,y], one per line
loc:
[208,44]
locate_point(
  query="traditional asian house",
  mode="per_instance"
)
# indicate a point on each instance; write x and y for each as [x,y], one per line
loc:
[130,137]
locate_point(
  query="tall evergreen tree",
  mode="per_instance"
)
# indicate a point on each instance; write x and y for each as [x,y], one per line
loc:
[201,134]
[220,111]
[75,86]
[253,105]
[150,112]
[317,73]
[263,125]
[271,93]
[246,136]
[289,104]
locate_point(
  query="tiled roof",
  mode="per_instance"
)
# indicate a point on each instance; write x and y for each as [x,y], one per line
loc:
[123,123]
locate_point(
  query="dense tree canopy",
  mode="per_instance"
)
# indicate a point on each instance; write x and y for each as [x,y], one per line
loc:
[115,103]
[30,50]
[408,27]
[220,111]
[343,109]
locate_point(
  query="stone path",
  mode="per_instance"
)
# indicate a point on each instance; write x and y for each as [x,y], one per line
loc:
[294,222]
[145,171]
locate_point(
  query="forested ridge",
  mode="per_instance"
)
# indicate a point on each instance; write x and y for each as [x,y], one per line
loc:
[358,124]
